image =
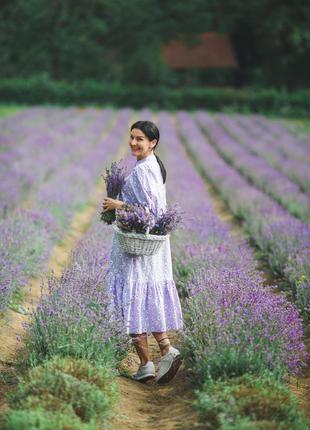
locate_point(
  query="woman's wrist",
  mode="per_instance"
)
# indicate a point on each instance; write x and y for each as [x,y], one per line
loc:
[120,204]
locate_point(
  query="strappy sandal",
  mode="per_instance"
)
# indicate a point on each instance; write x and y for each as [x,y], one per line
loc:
[145,372]
[169,364]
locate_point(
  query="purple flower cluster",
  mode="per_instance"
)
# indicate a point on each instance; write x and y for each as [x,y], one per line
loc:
[114,179]
[135,218]
[139,219]
[244,322]
[167,221]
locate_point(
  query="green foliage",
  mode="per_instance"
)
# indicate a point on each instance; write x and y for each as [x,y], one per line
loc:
[267,101]
[249,403]
[9,109]
[67,386]
[40,419]
[121,41]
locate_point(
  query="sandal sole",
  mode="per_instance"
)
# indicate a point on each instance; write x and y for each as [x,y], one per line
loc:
[170,374]
[144,379]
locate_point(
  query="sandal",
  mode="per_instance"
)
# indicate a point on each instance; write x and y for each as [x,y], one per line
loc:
[169,364]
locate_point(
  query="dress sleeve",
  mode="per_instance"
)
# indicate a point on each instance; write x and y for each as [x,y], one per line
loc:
[145,189]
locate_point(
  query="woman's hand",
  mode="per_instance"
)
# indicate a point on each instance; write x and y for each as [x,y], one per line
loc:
[109,204]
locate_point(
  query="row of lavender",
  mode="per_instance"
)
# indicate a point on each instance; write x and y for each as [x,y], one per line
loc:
[28,235]
[235,326]
[233,323]
[34,149]
[283,239]
[287,139]
[74,320]
[271,148]
[269,179]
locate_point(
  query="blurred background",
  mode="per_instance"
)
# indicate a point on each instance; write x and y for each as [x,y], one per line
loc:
[212,54]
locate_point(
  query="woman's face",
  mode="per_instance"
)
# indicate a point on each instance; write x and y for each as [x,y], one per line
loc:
[140,145]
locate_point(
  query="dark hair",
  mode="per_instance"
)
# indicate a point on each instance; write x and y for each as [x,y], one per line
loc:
[151,131]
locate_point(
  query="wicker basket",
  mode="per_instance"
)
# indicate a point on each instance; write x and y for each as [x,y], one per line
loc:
[139,243]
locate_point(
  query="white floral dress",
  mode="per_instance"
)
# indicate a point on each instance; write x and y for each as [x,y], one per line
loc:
[142,285]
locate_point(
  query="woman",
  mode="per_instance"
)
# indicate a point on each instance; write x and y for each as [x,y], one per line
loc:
[143,285]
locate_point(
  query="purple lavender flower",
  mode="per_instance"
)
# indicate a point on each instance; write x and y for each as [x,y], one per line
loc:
[114,179]
[135,218]
[167,221]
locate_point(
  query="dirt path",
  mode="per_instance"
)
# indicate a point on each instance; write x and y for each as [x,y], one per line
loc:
[150,406]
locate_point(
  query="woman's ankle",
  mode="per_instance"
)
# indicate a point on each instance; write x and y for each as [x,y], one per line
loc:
[140,343]
[164,345]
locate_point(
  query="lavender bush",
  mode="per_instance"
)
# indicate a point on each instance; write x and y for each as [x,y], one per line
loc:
[23,252]
[245,327]
[74,316]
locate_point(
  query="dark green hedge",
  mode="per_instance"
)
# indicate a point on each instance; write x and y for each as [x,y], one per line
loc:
[44,91]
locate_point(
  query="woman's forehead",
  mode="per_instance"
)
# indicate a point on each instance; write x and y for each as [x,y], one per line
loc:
[137,132]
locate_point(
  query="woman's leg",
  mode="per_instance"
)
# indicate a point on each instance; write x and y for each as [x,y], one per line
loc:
[163,341]
[170,358]
[141,345]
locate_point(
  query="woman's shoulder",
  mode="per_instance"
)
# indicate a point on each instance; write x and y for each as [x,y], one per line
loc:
[146,169]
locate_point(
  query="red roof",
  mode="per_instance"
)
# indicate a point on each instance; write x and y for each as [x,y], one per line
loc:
[215,50]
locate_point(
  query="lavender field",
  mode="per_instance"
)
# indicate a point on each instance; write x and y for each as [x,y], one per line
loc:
[245,343]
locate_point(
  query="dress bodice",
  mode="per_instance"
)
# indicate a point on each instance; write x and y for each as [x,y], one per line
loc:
[144,185]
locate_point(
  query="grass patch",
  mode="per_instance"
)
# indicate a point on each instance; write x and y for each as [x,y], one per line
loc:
[10,109]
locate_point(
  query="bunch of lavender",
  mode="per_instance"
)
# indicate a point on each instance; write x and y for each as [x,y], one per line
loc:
[135,218]
[167,221]
[114,179]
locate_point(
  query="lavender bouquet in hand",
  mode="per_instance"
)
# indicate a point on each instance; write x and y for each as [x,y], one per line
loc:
[167,221]
[135,218]
[114,179]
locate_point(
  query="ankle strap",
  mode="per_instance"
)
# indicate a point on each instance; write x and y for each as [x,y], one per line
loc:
[164,341]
